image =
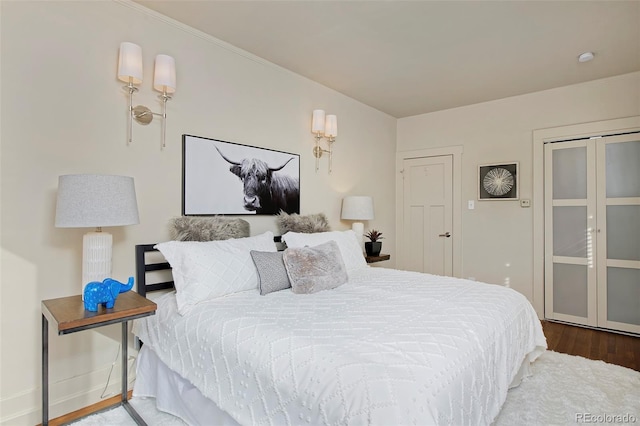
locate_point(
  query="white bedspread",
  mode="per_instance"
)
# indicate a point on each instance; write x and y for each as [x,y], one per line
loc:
[388,348]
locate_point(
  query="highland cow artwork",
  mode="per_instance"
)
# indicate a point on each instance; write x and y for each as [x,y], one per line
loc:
[225,178]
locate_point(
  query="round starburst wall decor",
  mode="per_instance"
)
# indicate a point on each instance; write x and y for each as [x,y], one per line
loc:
[498,182]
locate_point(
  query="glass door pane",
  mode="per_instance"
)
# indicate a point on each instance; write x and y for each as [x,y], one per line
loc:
[570,231]
[623,232]
[623,295]
[570,290]
[570,173]
[622,171]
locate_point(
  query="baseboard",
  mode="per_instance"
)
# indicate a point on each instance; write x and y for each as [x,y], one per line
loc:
[606,330]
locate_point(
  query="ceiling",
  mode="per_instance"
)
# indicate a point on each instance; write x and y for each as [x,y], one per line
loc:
[413,57]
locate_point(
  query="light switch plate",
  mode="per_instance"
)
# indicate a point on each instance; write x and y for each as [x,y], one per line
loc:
[471,204]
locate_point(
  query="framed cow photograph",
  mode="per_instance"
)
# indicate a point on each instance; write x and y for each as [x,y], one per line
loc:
[226,178]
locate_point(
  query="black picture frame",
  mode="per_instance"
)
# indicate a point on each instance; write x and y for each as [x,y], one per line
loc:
[227,178]
[498,182]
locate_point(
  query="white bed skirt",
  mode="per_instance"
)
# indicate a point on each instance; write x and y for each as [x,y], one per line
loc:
[174,394]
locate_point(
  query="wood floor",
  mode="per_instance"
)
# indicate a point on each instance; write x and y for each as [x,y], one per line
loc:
[613,348]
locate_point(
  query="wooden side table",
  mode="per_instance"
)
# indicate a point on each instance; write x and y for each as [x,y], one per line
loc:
[378,258]
[69,315]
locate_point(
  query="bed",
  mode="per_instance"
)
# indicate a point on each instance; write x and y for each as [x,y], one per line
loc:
[386,347]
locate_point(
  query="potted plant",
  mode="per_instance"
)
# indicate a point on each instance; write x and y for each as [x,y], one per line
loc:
[374,246]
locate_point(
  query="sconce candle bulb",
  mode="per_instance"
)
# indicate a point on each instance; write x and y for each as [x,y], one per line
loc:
[164,80]
[317,124]
[331,127]
[164,77]
[130,71]
[130,63]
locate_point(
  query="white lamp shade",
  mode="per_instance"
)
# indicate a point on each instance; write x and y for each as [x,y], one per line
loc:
[357,207]
[331,126]
[317,124]
[96,201]
[130,63]
[164,76]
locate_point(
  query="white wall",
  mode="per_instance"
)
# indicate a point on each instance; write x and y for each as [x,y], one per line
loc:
[498,236]
[63,111]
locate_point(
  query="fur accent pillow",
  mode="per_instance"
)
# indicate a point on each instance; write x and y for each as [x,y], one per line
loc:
[194,228]
[313,269]
[347,241]
[306,224]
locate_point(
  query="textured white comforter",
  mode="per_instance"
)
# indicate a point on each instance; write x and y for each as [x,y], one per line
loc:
[388,348]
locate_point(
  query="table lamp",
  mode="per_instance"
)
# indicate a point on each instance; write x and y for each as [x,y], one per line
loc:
[358,208]
[96,201]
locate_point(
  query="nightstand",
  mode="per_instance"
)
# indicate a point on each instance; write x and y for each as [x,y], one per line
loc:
[378,258]
[69,315]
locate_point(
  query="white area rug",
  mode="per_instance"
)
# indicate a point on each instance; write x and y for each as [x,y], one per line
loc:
[570,390]
[564,390]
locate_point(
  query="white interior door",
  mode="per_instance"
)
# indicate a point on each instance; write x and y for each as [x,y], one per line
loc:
[428,215]
[618,236]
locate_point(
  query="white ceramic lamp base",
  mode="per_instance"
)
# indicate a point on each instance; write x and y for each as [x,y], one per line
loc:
[358,228]
[96,257]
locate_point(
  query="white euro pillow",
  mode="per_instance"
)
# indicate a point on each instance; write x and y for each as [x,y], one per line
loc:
[350,249]
[206,270]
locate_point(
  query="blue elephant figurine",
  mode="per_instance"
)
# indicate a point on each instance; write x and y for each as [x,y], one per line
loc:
[104,293]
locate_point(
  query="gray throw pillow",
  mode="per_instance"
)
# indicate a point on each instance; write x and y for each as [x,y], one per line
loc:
[194,228]
[313,269]
[272,275]
[307,224]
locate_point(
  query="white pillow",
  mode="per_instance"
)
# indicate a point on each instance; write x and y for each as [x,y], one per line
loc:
[350,249]
[206,270]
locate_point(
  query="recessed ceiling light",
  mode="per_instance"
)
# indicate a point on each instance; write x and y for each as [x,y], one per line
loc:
[585,57]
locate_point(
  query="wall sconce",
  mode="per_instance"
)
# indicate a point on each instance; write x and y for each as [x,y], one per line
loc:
[323,127]
[164,81]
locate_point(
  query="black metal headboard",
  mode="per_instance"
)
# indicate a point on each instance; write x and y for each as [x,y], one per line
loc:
[143,268]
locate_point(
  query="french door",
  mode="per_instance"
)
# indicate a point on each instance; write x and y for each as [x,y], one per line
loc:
[592,232]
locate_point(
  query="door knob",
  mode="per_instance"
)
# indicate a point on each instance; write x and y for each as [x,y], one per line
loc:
[446,235]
